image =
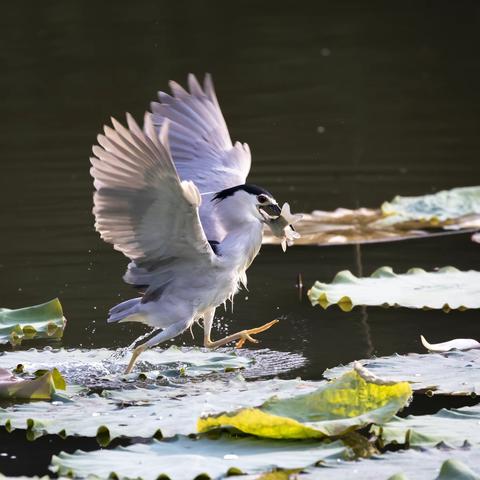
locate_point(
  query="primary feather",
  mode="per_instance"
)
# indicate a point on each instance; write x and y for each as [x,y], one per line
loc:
[201,146]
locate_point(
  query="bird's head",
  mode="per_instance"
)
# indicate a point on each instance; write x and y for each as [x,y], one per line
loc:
[247,203]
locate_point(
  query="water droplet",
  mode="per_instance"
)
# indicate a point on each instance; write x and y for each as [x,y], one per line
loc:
[230,456]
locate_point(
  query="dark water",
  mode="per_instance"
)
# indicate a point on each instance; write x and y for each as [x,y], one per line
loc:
[343,104]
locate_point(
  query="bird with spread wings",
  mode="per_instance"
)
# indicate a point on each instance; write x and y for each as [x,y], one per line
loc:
[173,198]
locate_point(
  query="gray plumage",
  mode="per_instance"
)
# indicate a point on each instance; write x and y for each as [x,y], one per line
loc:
[157,202]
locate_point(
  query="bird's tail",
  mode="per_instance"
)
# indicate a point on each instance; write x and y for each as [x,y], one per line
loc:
[127,311]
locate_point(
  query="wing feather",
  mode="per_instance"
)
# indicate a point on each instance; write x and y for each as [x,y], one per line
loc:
[141,206]
[200,144]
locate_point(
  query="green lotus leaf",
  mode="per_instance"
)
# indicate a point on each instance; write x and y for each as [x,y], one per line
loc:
[161,411]
[451,427]
[40,388]
[452,373]
[439,208]
[412,464]
[447,288]
[353,401]
[186,459]
[40,321]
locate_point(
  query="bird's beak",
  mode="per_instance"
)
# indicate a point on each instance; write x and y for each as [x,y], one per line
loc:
[272,210]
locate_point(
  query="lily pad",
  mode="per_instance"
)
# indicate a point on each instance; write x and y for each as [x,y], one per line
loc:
[141,412]
[412,464]
[450,427]
[100,366]
[353,401]
[186,459]
[343,227]
[40,388]
[400,219]
[447,288]
[452,373]
[39,321]
[446,206]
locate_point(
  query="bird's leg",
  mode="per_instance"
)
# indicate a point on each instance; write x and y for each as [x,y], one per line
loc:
[163,336]
[136,352]
[242,336]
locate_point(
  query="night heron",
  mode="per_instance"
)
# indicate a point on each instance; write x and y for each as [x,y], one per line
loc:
[172,197]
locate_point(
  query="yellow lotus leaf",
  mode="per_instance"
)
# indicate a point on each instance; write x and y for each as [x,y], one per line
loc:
[352,401]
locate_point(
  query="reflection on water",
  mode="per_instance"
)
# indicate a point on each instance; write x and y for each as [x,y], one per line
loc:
[342,106]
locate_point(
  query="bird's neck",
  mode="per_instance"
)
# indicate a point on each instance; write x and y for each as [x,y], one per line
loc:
[241,244]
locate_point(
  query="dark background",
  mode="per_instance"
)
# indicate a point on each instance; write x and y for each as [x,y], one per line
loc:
[343,104]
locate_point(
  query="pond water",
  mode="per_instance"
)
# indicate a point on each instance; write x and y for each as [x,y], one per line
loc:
[342,105]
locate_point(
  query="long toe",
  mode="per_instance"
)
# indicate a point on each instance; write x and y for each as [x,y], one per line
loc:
[252,331]
[268,325]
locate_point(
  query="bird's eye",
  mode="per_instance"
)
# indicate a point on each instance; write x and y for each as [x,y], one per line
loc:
[262,198]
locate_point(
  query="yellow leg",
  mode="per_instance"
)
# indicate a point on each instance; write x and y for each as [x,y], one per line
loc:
[242,336]
[136,352]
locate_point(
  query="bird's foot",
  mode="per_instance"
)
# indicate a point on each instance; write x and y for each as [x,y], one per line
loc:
[136,352]
[247,334]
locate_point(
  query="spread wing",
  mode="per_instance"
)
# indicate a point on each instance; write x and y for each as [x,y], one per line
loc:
[200,145]
[142,207]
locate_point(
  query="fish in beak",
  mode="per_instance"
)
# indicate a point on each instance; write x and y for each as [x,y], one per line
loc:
[281,223]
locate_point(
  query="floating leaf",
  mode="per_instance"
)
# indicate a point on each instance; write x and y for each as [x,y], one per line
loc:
[90,367]
[140,412]
[40,321]
[447,288]
[412,464]
[402,218]
[439,208]
[452,373]
[342,227]
[40,388]
[456,344]
[456,470]
[335,408]
[450,427]
[186,459]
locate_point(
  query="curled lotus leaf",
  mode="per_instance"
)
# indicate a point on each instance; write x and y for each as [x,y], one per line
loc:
[447,289]
[352,401]
[39,321]
[42,387]
[450,373]
[185,459]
